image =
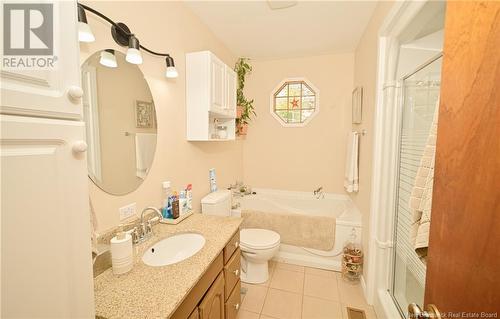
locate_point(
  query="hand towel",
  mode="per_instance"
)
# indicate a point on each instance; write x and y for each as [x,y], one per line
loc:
[145,145]
[351,165]
[421,195]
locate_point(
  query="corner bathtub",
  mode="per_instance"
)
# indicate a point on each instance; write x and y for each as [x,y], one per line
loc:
[347,216]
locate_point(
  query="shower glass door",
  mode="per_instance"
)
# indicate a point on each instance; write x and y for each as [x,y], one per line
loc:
[420,92]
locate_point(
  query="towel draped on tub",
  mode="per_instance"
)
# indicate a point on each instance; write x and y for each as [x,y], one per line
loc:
[317,232]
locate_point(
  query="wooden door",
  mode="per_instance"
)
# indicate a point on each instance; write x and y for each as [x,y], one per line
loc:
[463,271]
[53,92]
[46,254]
[212,305]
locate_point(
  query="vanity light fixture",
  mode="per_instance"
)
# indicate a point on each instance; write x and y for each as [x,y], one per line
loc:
[171,70]
[108,58]
[134,55]
[84,32]
[123,37]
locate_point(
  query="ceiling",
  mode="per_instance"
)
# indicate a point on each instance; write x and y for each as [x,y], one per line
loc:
[252,29]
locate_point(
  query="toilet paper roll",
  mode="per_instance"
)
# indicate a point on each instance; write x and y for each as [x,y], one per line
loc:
[121,254]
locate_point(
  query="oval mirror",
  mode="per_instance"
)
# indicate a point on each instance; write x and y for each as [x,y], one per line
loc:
[120,122]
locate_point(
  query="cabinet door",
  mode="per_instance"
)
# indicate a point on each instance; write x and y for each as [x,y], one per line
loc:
[212,305]
[217,84]
[194,314]
[46,93]
[230,91]
[45,229]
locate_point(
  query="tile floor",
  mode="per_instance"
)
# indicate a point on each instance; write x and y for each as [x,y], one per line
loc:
[296,292]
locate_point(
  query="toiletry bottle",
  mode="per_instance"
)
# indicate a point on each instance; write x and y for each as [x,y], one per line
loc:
[189,197]
[166,210]
[175,206]
[182,203]
[213,180]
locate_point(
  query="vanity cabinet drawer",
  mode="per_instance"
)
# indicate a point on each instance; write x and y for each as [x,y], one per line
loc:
[233,244]
[232,272]
[233,302]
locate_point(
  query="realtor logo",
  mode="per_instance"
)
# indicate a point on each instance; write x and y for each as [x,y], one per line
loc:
[28,35]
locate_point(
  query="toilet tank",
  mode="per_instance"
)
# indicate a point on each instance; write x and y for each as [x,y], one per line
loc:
[217,203]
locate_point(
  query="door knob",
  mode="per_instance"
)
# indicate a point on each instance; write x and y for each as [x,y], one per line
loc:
[79,147]
[430,312]
[236,272]
[75,92]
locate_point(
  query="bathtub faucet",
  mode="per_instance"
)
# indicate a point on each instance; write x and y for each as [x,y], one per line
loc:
[319,193]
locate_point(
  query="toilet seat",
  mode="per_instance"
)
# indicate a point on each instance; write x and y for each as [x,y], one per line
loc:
[255,238]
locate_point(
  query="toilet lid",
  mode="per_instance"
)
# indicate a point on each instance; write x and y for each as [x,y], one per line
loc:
[259,238]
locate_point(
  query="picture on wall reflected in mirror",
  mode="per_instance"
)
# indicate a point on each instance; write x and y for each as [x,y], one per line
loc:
[144,114]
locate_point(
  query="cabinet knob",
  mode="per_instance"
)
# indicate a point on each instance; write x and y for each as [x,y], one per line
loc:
[237,306]
[236,244]
[236,272]
[79,147]
[75,92]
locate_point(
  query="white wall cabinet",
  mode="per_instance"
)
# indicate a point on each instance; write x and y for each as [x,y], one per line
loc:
[45,230]
[46,254]
[210,98]
[52,93]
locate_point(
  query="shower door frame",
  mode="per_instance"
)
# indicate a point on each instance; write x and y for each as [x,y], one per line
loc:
[401,100]
[385,160]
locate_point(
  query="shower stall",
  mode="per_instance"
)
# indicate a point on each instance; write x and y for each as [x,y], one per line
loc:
[419,103]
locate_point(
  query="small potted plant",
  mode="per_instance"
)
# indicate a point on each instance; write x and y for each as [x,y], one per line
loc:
[245,107]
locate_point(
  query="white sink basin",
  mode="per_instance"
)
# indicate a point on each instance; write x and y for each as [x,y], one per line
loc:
[173,249]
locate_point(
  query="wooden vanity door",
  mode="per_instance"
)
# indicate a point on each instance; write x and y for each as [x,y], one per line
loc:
[212,305]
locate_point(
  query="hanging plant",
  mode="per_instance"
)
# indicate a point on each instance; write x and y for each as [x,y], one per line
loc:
[245,106]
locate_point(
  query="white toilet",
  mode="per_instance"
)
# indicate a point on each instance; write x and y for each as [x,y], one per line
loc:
[257,246]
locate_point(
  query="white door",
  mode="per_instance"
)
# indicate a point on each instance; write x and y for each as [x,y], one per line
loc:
[45,228]
[230,91]
[50,91]
[217,83]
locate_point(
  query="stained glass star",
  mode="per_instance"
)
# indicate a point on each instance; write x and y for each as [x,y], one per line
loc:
[295,103]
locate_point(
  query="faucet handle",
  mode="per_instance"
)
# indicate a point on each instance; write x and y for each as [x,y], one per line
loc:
[134,232]
[149,227]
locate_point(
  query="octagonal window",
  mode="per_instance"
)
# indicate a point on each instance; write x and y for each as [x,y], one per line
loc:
[294,102]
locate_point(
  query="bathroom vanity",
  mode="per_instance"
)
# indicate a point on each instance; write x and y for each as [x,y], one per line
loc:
[217,293]
[206,285]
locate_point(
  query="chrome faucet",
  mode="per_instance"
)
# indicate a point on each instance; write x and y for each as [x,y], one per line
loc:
[146,226]
[319,192]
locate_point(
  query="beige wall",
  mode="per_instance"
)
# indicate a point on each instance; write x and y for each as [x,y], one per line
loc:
[365,73]
[168,27]
[306,157]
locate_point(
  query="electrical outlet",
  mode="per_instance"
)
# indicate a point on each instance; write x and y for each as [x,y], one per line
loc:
[127,211]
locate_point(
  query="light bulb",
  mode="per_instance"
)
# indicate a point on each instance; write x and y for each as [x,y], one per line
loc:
[85,33]
[171,72]
[134,56]
[108,58]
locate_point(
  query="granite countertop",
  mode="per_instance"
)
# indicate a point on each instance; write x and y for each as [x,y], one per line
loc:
[156,292]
